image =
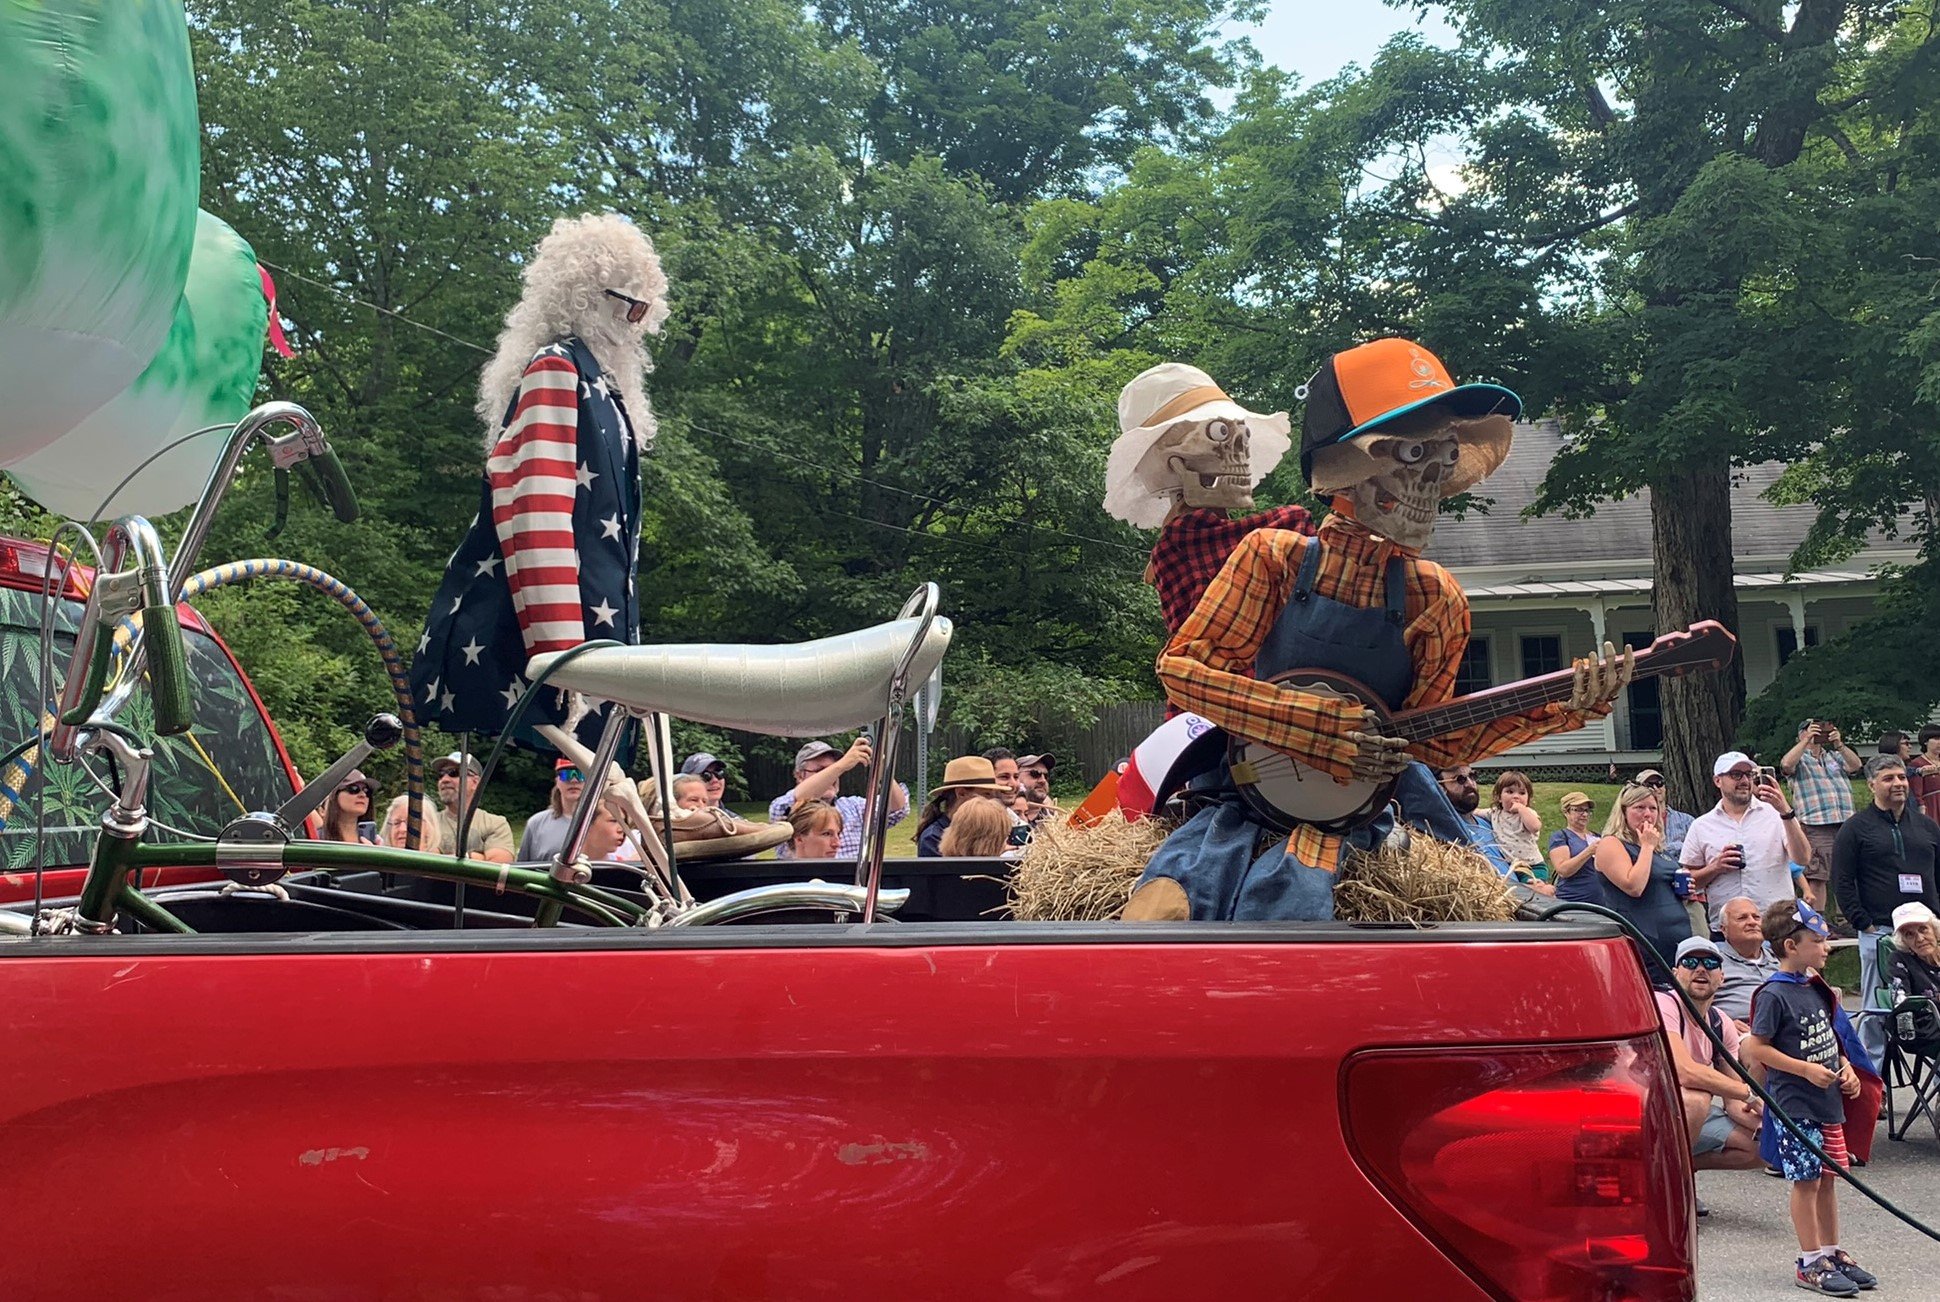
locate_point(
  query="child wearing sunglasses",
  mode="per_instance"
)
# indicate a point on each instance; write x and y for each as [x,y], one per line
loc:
[1794,1036]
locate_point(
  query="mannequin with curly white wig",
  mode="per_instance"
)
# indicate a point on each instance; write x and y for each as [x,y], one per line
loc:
[549,559]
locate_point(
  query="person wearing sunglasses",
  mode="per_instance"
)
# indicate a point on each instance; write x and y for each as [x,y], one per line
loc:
[545,831]
[1747,843]
[347,814]
[712,773]
[549,560]
[1721,1113]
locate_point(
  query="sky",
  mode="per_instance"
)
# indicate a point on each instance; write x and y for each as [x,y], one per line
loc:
[1315,38]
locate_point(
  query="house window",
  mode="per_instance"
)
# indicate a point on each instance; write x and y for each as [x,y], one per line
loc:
[1788,641]
[1473,675]
[1646,707]
[1542,653]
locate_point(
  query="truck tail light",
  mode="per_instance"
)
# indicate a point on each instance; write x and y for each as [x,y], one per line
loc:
[1546,1172]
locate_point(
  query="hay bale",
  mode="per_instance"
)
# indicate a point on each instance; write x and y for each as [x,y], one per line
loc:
[1075,873]
[1072,873]
[1424,881]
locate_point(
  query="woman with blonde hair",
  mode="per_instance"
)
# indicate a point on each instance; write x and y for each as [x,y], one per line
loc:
[818,830]
[979,829]
[1516,824]
[1639,878]
[430,830]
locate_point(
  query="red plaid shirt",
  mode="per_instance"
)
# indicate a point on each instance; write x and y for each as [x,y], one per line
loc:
[1193,546]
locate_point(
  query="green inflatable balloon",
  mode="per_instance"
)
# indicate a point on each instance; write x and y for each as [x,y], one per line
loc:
[98,197]
[205,374]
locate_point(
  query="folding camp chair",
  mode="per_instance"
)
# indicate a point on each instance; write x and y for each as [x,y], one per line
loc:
[1906,1066]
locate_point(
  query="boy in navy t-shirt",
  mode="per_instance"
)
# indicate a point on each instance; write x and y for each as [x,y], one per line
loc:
[1794,1038]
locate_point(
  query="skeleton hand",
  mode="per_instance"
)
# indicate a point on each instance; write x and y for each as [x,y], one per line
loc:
[1600,678]
[1379,757]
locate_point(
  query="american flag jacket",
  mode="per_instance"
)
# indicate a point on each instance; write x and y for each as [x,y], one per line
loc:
[549,559]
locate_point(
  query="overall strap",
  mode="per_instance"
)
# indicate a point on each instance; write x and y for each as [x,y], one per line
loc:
[1397,591]
[1303,583]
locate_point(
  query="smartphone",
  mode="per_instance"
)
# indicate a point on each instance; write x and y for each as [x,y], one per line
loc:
[1768,775]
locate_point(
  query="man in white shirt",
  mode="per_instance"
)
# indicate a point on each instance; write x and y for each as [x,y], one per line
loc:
[1747,843]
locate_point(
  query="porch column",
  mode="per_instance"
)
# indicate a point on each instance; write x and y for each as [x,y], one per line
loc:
[1596,610]
[1795,602]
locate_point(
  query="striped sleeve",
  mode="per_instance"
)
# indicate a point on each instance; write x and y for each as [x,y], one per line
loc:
[531,471]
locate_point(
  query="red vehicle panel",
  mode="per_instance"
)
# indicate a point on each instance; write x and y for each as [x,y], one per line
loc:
[915,1111]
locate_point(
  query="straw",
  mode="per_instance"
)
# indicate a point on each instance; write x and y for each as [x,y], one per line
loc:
[1071,873]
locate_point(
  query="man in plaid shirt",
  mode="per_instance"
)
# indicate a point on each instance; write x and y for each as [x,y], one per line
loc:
[1822,768]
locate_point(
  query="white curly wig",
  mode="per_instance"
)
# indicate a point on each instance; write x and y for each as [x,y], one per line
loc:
[565,284]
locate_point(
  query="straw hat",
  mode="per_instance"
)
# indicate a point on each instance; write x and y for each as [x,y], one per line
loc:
[969,773]
[1157,399]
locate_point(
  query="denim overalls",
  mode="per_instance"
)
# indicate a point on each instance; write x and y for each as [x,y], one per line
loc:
[1216,856]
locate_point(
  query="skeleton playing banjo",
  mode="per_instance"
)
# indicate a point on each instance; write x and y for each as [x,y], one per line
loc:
[1386,436]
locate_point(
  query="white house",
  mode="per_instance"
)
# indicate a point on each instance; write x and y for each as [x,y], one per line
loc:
[1544,590]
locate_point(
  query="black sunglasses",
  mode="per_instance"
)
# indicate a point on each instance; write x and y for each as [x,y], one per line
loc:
[1692,962]
[357,790]
[636,308]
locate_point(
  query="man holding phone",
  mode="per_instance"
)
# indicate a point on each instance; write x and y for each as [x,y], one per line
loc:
[1821,767]
[1747,842]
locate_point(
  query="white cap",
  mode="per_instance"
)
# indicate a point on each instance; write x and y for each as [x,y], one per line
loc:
[1911,914]
[1728,761]
[1698,945]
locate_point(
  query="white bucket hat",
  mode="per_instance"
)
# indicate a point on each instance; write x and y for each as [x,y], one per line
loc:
[1157,399]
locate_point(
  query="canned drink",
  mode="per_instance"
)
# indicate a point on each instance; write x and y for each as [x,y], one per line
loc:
[1682,884]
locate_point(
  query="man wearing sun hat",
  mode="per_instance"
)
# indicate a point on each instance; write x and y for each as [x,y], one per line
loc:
[1387,434]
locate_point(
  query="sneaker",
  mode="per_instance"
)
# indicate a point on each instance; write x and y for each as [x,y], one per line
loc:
[1824,1276]
[1850,1269]
[1774,1171]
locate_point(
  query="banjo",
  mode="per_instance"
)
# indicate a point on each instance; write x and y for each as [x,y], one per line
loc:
[1282,791]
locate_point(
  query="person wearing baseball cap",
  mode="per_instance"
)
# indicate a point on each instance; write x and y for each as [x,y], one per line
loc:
[545,832]
[1913,971]
[712,773]
[1721,1114]
[1677,823]
[1387,435]
[1745,844]
[819,770]
[489,835]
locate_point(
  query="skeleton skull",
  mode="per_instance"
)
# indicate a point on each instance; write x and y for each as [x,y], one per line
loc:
[1204,463]
[1400,499]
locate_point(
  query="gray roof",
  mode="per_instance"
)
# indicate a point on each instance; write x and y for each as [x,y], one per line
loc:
[1617,535]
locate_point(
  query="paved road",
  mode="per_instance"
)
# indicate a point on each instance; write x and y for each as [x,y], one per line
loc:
[1746,1248]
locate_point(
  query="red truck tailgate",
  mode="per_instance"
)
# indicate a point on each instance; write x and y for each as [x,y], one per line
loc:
[917,1111]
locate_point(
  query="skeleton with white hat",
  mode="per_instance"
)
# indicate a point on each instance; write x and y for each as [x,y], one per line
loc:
[1186,457]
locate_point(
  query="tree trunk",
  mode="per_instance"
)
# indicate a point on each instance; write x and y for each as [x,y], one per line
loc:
[1690,510]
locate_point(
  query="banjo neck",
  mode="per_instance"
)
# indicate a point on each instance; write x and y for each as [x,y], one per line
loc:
[1706,645]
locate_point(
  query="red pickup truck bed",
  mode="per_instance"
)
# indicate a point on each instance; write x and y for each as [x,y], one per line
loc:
[911,1111]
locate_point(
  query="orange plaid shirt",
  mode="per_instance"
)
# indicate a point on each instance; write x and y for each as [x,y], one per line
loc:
[1208,666]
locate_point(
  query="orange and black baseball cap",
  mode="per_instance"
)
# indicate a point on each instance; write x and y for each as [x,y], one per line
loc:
[1358,391]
